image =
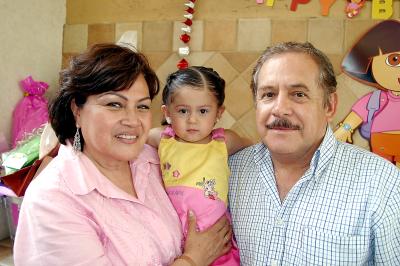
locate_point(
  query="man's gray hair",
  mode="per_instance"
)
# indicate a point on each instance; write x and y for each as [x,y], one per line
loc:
[327,79]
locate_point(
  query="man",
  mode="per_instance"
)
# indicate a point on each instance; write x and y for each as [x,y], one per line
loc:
[301,197]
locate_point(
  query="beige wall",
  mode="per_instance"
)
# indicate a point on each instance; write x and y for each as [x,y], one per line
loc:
[226,35]
[31,44]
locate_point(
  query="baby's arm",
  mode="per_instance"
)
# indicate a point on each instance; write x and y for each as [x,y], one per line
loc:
[234,142]
[154,137]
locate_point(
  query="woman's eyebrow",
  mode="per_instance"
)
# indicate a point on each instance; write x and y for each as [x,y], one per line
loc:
[123,96]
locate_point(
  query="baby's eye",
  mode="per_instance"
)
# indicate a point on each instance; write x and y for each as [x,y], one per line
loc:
[183,111]
[203,111]
[393,60]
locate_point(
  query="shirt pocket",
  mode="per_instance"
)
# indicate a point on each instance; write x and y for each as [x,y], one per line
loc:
[327,248]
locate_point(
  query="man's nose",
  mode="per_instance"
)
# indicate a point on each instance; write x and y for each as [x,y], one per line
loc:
[282,105]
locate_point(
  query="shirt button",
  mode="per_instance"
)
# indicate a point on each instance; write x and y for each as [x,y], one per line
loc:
[274,263]
[279,222]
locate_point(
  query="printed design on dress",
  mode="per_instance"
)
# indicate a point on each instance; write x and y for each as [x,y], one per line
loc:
[176,174]
[209,188]
[167,167]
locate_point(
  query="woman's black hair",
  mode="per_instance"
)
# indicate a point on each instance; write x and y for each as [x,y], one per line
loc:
[102,68]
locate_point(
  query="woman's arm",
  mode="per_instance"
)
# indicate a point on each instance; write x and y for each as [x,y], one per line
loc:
[234,142]
[202,248]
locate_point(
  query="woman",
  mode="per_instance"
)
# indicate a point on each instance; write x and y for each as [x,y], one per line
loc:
[101,200]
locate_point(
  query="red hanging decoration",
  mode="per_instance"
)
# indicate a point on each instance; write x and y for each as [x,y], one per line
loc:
[188,22]
[183,64]
[185,36]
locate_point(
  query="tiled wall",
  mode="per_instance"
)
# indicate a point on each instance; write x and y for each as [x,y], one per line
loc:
[31,39]
[230,43]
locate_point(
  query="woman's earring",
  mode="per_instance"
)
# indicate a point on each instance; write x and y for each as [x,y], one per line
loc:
[168,119]
[77,141]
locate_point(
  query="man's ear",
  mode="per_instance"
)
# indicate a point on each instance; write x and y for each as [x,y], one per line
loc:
[75,111]
[331,105]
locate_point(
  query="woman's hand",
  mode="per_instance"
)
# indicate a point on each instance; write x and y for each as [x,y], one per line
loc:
[204,247]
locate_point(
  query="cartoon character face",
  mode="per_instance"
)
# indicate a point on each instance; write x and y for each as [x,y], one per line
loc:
[386,70]
[209,188]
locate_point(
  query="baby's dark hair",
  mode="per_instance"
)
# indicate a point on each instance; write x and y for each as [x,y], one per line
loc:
[197,77]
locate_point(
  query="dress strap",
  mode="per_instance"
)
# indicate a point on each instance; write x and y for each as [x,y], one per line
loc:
[218,133]
[168,132]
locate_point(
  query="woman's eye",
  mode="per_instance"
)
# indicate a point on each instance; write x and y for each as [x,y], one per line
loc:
[144,107]
[114,105]
[393,60]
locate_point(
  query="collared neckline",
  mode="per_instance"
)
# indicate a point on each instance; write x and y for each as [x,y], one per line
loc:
[82,176]
[319,161]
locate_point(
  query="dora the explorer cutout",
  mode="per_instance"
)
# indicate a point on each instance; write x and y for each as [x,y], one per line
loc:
[375,61]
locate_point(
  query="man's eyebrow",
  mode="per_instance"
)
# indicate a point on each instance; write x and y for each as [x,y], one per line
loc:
[265,87]
[299,86]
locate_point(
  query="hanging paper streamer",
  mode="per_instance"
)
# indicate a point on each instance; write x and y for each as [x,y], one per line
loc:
[293,5]
[270,2]
[325,6]
[184,51]
[382,9]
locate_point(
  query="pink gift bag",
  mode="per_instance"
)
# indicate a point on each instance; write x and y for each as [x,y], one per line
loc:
[31,112]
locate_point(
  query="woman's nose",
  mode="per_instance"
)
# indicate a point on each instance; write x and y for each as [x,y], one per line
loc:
[131,118]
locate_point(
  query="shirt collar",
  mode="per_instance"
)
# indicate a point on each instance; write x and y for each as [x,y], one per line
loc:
[82,176]
[319,161]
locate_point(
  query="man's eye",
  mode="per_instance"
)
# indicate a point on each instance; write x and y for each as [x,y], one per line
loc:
[300,94]
[267,95]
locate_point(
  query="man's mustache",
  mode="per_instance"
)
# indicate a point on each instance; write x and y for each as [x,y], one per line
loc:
[283,123]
